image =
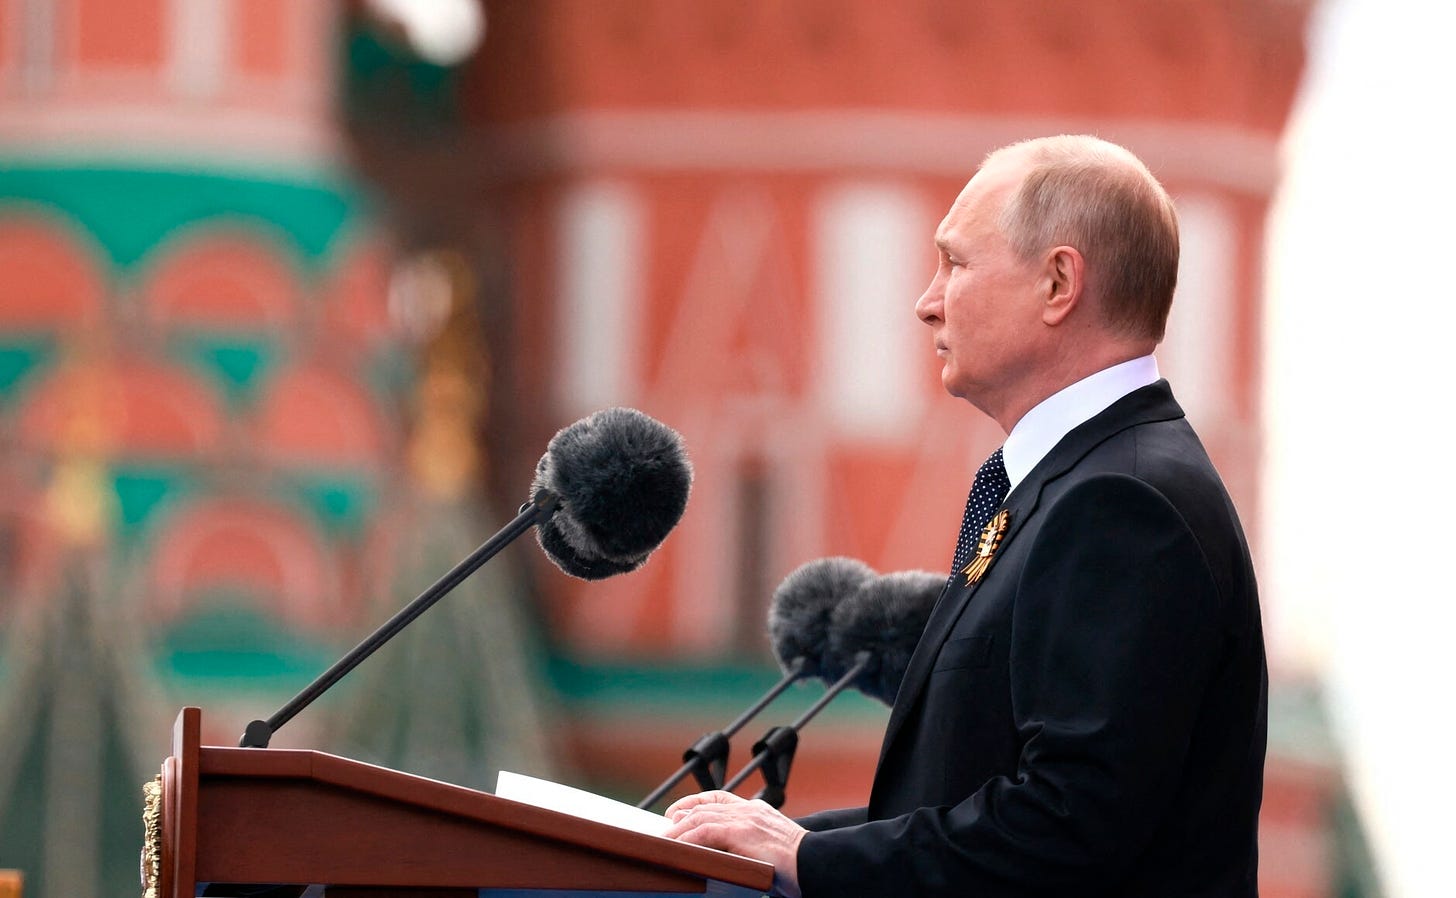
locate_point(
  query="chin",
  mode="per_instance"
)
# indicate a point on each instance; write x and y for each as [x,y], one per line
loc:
[958,387]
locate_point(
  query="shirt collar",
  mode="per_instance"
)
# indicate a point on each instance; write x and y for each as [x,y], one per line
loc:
[1060,413]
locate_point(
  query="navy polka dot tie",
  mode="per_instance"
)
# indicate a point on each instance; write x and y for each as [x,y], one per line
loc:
[987,494]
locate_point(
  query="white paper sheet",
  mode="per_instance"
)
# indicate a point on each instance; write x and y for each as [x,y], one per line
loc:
[578,803]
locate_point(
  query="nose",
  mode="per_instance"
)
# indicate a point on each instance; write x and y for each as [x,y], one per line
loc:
[928,306]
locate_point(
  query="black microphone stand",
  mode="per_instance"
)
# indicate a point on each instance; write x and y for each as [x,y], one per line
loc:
[259,732]
[707,759]
[775,751]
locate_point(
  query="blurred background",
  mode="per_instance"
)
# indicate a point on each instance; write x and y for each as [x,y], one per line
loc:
[293,295]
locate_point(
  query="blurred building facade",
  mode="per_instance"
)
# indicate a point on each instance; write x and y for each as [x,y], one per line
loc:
[229,444]
[241,408]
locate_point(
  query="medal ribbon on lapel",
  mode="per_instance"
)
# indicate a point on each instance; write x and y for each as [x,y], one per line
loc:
[986,547]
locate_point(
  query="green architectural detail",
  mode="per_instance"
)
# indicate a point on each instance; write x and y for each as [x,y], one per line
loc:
[339,503]
[1355,873]
[20,813]
[693,690]
[130,211]
[384,85]
[232,647]
[237,364]
[141,491]
[21,357]
[119,820]
[70,779]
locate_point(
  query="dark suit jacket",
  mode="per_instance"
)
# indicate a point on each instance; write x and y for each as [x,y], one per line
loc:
[1088,719]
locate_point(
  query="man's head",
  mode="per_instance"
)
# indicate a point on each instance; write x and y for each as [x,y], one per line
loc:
[1058,259]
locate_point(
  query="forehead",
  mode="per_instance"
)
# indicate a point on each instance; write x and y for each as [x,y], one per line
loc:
[980,202]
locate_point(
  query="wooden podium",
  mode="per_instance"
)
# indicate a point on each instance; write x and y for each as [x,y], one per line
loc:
[251,816]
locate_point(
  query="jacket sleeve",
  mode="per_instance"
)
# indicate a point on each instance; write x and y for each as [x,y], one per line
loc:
[823,820]
[1114,636]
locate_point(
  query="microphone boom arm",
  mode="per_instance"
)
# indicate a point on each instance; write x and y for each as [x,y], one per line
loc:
[259,732]
[779,743]
[707,759]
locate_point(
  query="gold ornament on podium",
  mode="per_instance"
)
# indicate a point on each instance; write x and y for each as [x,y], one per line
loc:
[152,837]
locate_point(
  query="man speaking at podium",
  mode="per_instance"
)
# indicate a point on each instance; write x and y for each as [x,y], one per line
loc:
[1085,712]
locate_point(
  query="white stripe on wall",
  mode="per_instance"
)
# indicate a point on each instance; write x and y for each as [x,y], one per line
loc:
[1196,355]
[872,258]
[600,233]
[198,40]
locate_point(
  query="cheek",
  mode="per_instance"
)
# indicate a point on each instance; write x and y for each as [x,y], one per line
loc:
[961,317]
[966,290]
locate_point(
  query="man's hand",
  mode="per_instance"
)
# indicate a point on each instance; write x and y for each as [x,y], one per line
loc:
[753,829]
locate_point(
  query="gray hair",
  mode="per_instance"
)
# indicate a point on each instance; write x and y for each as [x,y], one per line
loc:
[1099,198]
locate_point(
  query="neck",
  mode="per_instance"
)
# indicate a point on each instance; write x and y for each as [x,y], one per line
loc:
[1064,370]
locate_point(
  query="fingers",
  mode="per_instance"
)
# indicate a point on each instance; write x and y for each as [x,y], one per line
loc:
[698,830]
[749,828]
[683,805]
[725,823]
[697,818]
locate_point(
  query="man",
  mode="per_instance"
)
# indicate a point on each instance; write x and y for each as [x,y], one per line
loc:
[1086,710]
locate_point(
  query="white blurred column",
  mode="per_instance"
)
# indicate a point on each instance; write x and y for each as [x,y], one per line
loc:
[872,259]
[600,280]
[197,47]
[1196,356]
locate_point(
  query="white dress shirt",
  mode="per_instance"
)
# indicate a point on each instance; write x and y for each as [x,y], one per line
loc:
[1062,412]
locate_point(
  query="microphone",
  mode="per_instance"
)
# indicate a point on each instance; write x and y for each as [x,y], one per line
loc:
[798,624]
[609,488]
[623,481]
[886,618]
[802,607]
[871,636]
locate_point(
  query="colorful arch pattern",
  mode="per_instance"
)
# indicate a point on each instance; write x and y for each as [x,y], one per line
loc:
[220,370]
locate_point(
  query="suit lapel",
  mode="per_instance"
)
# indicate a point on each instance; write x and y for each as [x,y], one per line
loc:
[948,609]
[1151,403]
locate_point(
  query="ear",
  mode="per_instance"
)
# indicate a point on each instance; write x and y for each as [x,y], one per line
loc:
[1063,281]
